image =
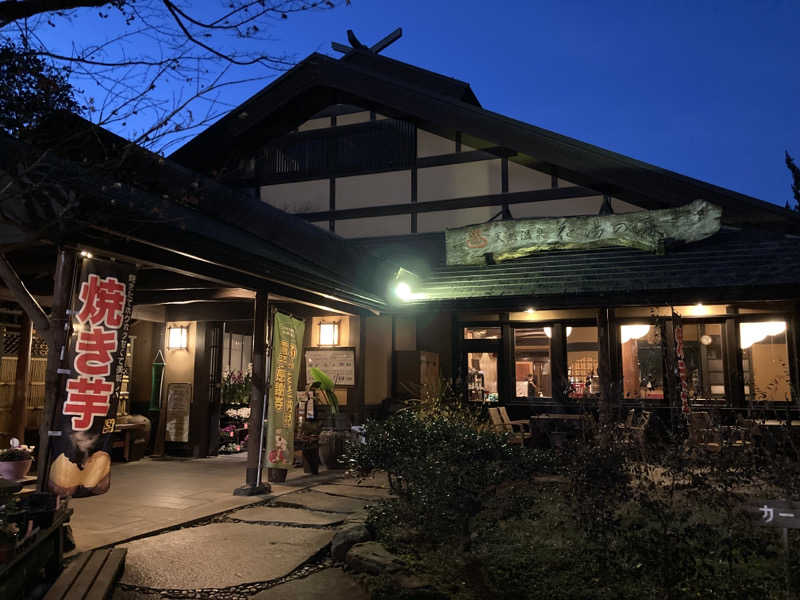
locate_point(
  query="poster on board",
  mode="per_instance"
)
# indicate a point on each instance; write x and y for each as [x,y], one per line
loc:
[337,363]
[179,401]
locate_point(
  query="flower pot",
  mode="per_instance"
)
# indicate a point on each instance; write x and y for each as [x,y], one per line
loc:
[311,460]
[14,470]
[276,475]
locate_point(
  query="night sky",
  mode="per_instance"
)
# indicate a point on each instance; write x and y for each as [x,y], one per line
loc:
[708,89]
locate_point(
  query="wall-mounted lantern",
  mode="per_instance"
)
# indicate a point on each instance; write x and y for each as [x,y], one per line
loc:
[178,338]
[328,334]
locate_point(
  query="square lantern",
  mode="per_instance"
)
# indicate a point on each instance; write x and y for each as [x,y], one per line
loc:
[178,338]
[328,334]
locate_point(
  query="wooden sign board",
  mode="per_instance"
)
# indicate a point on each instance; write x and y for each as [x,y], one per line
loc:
[179,402]
[338,363]
[778,513]
[647,230]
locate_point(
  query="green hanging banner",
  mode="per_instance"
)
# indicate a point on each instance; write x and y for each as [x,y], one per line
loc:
[158,378]
[287,348]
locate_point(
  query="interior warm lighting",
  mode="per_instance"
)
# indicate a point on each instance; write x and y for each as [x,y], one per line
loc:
[698,310]
[403,291]
[328,334]
[549,331]
[633,332]
[530,310]
[750,333]
[86,254]
[177,338]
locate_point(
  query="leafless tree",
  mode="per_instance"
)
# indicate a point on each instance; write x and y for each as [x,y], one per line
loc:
[159,75]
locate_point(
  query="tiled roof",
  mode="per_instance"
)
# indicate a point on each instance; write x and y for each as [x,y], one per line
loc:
[729,259]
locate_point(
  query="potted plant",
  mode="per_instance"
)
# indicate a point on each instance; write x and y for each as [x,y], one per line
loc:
[332,439]
[15,463]
[308,438]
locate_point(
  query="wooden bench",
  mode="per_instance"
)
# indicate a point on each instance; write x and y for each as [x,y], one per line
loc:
[90,576]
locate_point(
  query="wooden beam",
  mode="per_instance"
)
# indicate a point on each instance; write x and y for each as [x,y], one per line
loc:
[492,153]
[452,204]
[24,298]
[388,40]
[186,296]
[56,342]
[18,412]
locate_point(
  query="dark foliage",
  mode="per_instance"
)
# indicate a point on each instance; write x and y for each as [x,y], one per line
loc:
[30,90]
[795,171]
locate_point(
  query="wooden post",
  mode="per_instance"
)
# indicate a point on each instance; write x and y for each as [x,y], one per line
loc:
[59,329]
[18,408]
[733,363]
[253,481]
[558,362]
[605,366]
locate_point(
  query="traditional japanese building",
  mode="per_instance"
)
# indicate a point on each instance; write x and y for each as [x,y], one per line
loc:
[402,161]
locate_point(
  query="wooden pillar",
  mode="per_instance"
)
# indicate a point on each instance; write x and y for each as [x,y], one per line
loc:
[734,377]
[608,366]
[359,414]
[253,476]
[214,346]
[506,365]
[198,413]
[56,342]
[558,361]
[18,407]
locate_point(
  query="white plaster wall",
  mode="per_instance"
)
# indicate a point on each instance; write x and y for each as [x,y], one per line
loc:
[522,179]
[320,123]
[374,226]
[377,189]
[299,197]
[352,118]
[458,181]
[441,220]
[620,206]
[557,208]
[430,144]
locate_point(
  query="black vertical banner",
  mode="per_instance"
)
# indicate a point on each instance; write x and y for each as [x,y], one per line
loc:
[86,410]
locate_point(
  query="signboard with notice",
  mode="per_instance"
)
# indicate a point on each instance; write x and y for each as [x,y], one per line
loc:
[778,513]
[337,363]
[179,400]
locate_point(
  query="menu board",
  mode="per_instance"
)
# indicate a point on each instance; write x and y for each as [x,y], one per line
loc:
[337,363]
[179,400]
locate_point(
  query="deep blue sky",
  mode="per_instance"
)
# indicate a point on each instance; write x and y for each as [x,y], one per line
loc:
[708,89]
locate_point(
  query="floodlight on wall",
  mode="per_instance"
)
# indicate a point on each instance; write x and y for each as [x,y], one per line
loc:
[750,333]
[178,338]
[633,332]
[403,286]
[328,334]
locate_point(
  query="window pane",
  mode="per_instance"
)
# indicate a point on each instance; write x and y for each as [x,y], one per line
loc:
[532,350]
[765,361]
[642,362]
[482,377]
[582,357]
[702,350]
[481,333]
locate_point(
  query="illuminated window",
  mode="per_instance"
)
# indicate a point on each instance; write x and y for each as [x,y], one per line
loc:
[328,334]
[532,363]
[765,360]
[642,362]
[178,338]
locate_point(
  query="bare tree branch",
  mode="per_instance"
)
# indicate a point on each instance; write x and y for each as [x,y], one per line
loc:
[14,10]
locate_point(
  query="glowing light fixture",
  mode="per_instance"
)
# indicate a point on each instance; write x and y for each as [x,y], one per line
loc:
[750,333]
[178,338]
[328,334]
[86,254]
[548,331]
[698,310]
[633,332]
[530,310]
[403,291]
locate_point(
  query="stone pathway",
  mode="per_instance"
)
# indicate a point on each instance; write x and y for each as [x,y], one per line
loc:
[273,550]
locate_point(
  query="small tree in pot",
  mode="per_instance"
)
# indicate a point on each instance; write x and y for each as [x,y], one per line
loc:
[331,439]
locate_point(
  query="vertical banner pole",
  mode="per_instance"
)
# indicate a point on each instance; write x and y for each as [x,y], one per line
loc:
[56,352]
[267,384]
[257,394]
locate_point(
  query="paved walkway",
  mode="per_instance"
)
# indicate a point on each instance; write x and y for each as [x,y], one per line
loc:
[152,495]
[273,550]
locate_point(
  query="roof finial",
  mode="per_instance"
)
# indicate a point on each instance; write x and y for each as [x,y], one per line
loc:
[355,44]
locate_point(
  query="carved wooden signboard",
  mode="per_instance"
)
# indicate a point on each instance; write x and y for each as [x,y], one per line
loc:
[647,230]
